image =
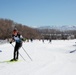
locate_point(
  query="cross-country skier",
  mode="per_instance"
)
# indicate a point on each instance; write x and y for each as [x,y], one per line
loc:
[17,37]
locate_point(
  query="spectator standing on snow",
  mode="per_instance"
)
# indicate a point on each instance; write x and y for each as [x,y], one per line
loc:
[50,40]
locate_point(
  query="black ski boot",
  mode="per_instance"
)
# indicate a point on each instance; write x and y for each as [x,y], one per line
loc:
[12,60]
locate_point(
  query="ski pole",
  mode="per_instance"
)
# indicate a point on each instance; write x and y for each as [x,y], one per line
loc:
[27,53]
[19,53]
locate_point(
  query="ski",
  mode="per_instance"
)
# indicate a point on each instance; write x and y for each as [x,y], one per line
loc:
[8,61]
[72,51]
[0,50]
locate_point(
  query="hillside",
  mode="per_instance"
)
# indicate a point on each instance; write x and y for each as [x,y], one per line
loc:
[6,27]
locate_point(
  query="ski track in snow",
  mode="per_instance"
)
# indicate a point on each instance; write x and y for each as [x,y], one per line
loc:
[48,59]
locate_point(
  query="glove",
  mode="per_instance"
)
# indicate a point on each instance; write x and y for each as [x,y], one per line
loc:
[10,42]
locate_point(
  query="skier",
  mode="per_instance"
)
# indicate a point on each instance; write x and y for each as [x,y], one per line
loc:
[50,40]
[17,37]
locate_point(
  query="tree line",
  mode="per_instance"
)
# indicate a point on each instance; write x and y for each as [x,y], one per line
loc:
[7,26]
[57,34]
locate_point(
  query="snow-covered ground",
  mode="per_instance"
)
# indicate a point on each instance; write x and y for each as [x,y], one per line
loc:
[48,58]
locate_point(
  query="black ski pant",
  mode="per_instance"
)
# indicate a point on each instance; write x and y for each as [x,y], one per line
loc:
[16,50]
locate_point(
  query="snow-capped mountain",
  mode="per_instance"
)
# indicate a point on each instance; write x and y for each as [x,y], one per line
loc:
[65,27]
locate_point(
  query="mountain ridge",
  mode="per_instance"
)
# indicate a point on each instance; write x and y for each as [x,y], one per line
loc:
[64,27]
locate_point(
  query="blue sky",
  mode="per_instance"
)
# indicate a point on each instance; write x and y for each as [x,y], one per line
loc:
[39,12]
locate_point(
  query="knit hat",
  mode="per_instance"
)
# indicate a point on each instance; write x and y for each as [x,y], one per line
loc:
[15,30]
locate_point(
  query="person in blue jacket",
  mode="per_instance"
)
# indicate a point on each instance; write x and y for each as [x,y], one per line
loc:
[17,37]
